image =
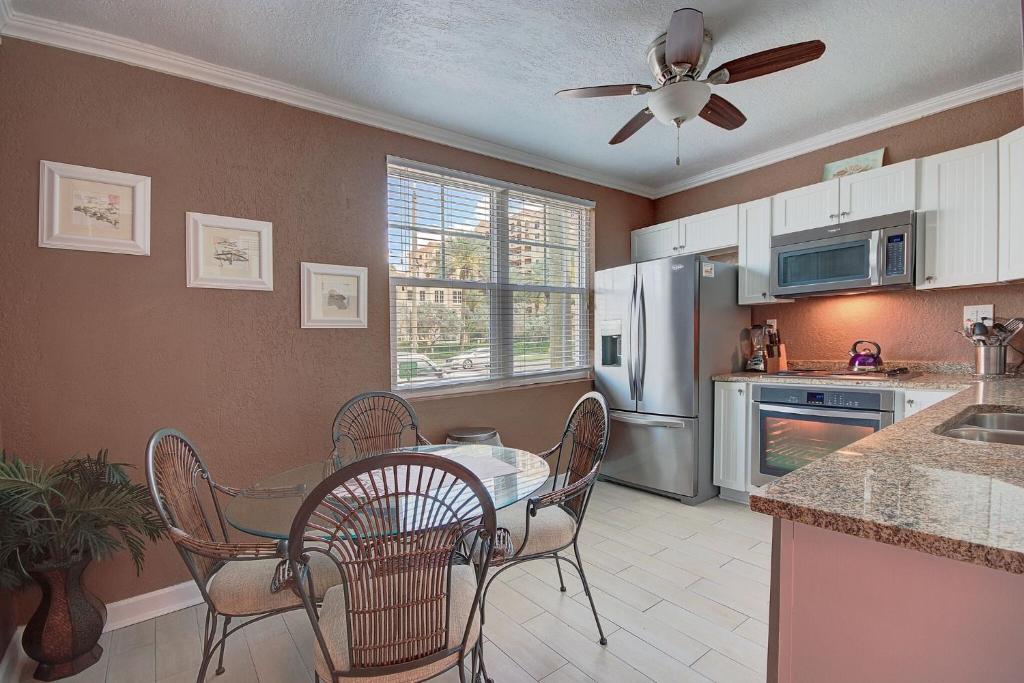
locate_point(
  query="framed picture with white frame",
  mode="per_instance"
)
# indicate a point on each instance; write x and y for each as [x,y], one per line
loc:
[92,209]
[222,252]
[333,296]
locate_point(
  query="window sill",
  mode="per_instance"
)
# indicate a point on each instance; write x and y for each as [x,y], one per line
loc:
[487,387]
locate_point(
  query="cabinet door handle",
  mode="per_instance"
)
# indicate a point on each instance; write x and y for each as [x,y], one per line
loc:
[910,402]
[764,295]
[929,278]
[740,392]
[844,213]
[833,216]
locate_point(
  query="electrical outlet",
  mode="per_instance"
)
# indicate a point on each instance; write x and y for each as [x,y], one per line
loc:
[772,323]
[978,313]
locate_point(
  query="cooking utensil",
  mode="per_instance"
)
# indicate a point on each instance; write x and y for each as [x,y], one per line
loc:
[861,359]
[1012,327]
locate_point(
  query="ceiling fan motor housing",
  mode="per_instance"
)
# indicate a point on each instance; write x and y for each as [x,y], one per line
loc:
[678,102]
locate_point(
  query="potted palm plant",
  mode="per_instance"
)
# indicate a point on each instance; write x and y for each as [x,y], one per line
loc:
[56,520]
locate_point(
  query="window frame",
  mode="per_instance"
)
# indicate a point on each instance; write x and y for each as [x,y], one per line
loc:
[501,335]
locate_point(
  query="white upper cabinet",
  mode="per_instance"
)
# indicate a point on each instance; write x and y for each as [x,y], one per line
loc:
[805,207]
[1011,205]
[879,191]
[709,231]
[959,198]
[663,239]
[755,234]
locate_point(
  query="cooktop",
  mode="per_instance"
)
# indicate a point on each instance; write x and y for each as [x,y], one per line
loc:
[891,373]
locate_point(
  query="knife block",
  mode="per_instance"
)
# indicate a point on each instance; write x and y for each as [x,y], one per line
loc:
[775,364]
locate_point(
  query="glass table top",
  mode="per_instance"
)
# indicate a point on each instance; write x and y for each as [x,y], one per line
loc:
[257,512]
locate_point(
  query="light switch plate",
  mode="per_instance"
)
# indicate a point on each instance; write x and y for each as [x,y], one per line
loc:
[772,323]
[978,313]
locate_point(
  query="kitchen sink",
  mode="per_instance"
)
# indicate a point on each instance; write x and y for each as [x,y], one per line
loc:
[990,427]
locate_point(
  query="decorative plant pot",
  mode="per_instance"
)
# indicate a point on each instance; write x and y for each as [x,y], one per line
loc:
[63,635]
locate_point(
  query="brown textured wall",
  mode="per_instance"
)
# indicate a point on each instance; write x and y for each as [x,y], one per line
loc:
[909,325]
[101,349]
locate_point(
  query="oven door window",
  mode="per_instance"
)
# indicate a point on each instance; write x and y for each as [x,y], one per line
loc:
[790,441]
[820,265]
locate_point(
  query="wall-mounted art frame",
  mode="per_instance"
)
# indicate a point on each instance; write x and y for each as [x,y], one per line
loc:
[92,209]
[857,164]
[333,296]
[222,252]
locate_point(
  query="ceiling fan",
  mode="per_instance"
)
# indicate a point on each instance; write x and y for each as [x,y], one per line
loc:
[677,59]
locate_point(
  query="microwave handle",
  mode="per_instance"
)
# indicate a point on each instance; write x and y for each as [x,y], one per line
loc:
[877,265]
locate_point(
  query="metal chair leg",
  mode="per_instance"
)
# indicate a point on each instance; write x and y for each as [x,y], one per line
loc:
[483,664]
[558,566]
[223,642]
[586,589]
[209,634]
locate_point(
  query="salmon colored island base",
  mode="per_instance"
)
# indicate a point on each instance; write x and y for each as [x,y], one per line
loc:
[847,609]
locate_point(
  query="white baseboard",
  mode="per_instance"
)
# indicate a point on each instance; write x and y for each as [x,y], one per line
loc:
[150,605]
[119,614]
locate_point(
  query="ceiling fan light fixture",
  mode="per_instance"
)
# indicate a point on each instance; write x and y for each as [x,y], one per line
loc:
[682,100]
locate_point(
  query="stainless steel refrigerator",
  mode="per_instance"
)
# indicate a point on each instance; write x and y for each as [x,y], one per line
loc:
[661,330]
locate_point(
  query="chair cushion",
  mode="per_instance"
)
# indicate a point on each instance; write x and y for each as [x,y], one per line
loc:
[334,626]
[551,529]
[242,587]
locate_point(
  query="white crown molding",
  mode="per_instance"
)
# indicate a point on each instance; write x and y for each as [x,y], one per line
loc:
[87,41]
[951,100]
[100,44]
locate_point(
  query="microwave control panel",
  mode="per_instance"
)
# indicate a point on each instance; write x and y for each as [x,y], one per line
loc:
[896,254]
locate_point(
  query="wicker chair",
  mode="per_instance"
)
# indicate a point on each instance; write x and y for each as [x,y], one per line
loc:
[545,525]
[235,579]
[372,423]
[395,526]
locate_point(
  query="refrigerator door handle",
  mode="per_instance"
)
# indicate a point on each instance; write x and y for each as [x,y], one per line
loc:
[642,329]
[629,359]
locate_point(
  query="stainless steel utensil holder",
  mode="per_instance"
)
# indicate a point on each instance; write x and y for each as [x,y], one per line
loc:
[990,360]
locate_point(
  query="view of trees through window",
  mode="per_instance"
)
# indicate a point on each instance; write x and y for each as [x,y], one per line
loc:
[487,282]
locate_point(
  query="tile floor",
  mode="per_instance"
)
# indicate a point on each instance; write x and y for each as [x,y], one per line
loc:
[683,593]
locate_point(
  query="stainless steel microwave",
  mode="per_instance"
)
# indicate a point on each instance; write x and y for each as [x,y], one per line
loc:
[856,256]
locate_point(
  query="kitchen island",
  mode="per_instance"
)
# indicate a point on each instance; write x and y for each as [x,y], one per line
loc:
[900,556]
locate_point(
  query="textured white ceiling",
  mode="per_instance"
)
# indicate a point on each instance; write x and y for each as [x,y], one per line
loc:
[489,68]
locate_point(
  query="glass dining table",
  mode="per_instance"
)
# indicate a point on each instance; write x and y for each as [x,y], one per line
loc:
[267,509]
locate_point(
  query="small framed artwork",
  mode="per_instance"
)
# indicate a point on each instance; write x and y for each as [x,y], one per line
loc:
[333,296]
[861,162]
[92,209]
[228,253]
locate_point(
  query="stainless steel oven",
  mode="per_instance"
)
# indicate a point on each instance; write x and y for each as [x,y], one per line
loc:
[796,425]
[846,257]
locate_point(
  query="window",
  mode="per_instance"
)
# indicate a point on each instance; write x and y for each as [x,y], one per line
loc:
[508,267]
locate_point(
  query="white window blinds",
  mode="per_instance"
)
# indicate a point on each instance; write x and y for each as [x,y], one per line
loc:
[488,280]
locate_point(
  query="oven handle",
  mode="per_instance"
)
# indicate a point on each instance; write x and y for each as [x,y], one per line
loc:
[884,419]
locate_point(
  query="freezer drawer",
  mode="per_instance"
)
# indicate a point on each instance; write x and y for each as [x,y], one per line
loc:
[653,452]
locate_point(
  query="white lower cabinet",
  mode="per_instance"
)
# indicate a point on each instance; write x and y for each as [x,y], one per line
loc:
[730,434]
[916,400]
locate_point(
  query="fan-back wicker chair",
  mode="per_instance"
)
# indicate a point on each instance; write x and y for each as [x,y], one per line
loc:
[394,525]
[543,526]
[373,423]
[235,579]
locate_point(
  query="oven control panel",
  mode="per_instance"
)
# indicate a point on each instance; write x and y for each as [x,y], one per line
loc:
[826,397]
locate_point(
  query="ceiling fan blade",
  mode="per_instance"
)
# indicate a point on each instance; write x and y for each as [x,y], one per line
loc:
[634,124]
[767,62]
[722,113]
[605,90]
[685,37]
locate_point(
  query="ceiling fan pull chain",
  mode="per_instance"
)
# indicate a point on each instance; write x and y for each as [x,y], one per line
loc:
[678,127]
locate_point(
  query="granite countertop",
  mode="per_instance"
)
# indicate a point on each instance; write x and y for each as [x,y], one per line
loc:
[909,486]
[928,380]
